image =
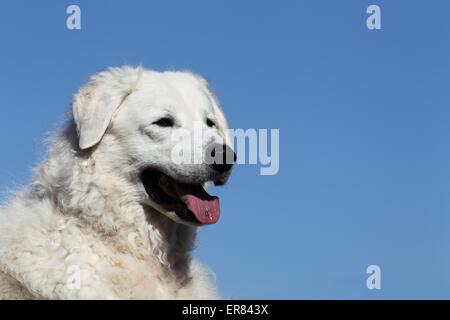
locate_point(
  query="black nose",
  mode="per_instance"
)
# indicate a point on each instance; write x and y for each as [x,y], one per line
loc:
[220,157]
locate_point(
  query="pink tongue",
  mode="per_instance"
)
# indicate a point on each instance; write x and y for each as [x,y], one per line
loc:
[205,207]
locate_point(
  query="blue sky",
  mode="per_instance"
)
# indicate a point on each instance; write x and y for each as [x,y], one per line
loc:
[364,119]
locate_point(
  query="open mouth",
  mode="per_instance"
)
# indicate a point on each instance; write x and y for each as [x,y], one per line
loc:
[190,202]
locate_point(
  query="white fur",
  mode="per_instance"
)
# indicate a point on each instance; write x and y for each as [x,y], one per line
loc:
[85,229]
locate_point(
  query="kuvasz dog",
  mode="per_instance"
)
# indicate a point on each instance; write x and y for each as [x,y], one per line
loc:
[111,214]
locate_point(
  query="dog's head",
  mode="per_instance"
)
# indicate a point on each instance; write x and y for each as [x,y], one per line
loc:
[165,130]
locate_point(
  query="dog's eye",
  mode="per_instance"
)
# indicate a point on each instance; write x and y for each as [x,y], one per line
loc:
[210,123]
[164,122]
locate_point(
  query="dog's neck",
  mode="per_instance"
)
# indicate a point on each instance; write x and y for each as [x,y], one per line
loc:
[83,186]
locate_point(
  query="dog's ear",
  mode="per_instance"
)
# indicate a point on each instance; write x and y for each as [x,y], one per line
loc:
[95,104]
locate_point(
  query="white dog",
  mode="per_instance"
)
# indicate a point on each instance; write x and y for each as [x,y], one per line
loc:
[110,214]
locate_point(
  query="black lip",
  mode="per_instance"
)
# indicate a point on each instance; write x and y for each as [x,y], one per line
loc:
[150,178]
